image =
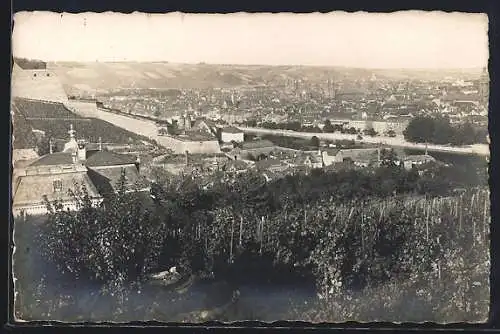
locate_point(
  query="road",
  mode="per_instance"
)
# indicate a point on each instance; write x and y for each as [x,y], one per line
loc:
[477,149]
[136,125]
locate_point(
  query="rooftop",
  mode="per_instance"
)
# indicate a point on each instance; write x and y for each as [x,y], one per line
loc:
[231,129]
[32,188]
[58,158]
[109,158]
[106,180]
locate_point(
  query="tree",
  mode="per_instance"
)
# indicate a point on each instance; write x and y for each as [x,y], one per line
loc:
[391,133]
[43,145]
[370,132]
[315,141]
[251,123]
[352,131]
[121,239]
[420,129]
[388,157]
[437,130]
[328,127]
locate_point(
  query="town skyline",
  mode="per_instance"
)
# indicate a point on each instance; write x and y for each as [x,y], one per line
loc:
[401,40]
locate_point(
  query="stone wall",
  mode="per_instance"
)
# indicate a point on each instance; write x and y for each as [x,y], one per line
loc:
[38,85]
[194,147]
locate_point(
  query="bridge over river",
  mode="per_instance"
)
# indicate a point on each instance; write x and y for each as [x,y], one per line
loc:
[477,149]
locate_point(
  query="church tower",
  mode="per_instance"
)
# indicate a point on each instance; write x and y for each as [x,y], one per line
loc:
[187,120]
[77,149]
[71,146]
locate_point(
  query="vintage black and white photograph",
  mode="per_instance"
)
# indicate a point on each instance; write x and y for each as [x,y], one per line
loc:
[189,168]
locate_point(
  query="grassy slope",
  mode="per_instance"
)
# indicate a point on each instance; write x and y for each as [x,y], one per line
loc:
[89,128]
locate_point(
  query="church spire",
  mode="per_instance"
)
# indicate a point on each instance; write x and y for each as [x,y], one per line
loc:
[71,132]
[71,145]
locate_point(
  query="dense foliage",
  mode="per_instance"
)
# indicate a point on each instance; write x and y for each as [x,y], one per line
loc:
[354,232]
[439,130]
[107,242]
[23,136]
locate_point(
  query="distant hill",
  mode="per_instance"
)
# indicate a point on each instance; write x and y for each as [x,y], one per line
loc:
[105,77]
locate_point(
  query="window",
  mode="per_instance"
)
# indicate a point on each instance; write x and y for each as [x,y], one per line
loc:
[57,186]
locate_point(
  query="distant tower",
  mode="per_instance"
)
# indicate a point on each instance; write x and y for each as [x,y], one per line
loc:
[182,123]
[51,145]
[484,87]
[187,121]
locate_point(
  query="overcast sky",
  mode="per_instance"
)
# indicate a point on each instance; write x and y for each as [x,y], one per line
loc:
[398,40]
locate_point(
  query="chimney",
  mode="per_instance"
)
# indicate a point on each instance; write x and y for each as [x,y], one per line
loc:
[425,148]
[100,144]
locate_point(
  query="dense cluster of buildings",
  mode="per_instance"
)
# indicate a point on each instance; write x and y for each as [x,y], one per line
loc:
[388,104]
[200,128]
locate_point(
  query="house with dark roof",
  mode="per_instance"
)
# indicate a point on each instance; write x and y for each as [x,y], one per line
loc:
[52,176]
[206,125]
[273,165]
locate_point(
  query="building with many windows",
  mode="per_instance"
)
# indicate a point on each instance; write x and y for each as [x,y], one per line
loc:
[53,176]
